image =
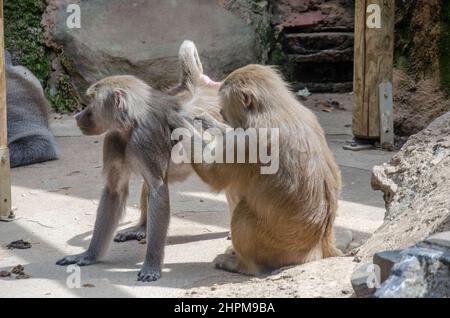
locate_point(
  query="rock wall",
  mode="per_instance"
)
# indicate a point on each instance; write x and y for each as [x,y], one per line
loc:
[315,43]
[423,271]
[143,38]
[422,57]
[415,185]
[417,102]
[26,40]
[256,13]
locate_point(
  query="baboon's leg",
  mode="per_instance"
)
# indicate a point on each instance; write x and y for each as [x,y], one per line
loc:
[158,216]
[232,200]
[328,247]
[137,232]
[244,229]
[112,203]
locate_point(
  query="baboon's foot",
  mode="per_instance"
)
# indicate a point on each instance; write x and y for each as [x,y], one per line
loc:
[135,233]
[230,251]
[229,263]
[149,273]
[84,259]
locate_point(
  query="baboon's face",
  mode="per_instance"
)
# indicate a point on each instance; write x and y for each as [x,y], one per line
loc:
[90,120]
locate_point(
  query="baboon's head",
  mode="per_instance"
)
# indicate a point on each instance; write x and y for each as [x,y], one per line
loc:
[115,102]
[249,90]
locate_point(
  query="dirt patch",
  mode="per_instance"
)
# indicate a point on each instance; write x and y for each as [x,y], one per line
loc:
[19,245]
[325,278]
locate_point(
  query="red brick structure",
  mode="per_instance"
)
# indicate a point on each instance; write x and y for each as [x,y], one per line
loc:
[315,44]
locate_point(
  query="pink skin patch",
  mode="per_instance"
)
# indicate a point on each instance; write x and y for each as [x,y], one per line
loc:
[209,82]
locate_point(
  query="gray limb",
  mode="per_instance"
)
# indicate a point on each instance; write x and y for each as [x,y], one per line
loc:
[138,232]
[112,203]
[157,225]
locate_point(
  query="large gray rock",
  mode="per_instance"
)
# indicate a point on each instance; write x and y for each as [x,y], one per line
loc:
[416,187]
[422,272]
[365,279]
[29,138]
[142,37]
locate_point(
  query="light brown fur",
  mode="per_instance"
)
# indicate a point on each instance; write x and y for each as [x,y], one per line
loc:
[284,218]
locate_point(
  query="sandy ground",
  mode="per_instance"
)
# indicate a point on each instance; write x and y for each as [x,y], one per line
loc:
[55,207]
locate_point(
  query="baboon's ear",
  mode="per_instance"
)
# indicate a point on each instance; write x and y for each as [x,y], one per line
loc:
[119,98]
[247,98]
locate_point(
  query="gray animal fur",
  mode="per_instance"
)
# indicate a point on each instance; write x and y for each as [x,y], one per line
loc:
[29,138]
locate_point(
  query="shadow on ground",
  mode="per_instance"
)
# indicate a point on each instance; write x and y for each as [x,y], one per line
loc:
[56,204]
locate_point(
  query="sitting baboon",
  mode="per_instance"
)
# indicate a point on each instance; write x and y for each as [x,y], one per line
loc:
[284,218]
[29,138]
[198,94]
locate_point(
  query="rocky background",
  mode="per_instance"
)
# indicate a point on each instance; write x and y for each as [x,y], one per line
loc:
[422,59]
[311,40]
[415,184]
[122,37]
[25,39]
[313,43]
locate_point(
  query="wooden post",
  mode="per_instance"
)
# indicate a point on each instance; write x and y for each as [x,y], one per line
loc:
[5,171]
[374,55]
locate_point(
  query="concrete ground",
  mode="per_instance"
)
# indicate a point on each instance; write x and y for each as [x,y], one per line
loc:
[56,202]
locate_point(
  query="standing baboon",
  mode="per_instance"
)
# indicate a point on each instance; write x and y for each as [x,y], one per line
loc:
[284,218]
[138,121]
[198,94]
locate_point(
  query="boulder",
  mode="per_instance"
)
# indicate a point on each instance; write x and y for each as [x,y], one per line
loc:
[142,38]
[29,138]
[365,280]
[422,272]
[385,262]
[415,184]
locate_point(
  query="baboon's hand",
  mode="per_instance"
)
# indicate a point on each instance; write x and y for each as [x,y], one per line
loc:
[83,259]
[209,121]
[149,273]
[205,120]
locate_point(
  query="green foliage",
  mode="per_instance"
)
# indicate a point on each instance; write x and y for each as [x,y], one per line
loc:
[444,46]
[66,97]
[25,39]
[277,56]
[25,35]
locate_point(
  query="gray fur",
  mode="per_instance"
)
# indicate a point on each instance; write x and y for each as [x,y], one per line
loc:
[191,74]
[138,140]
[29,138]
